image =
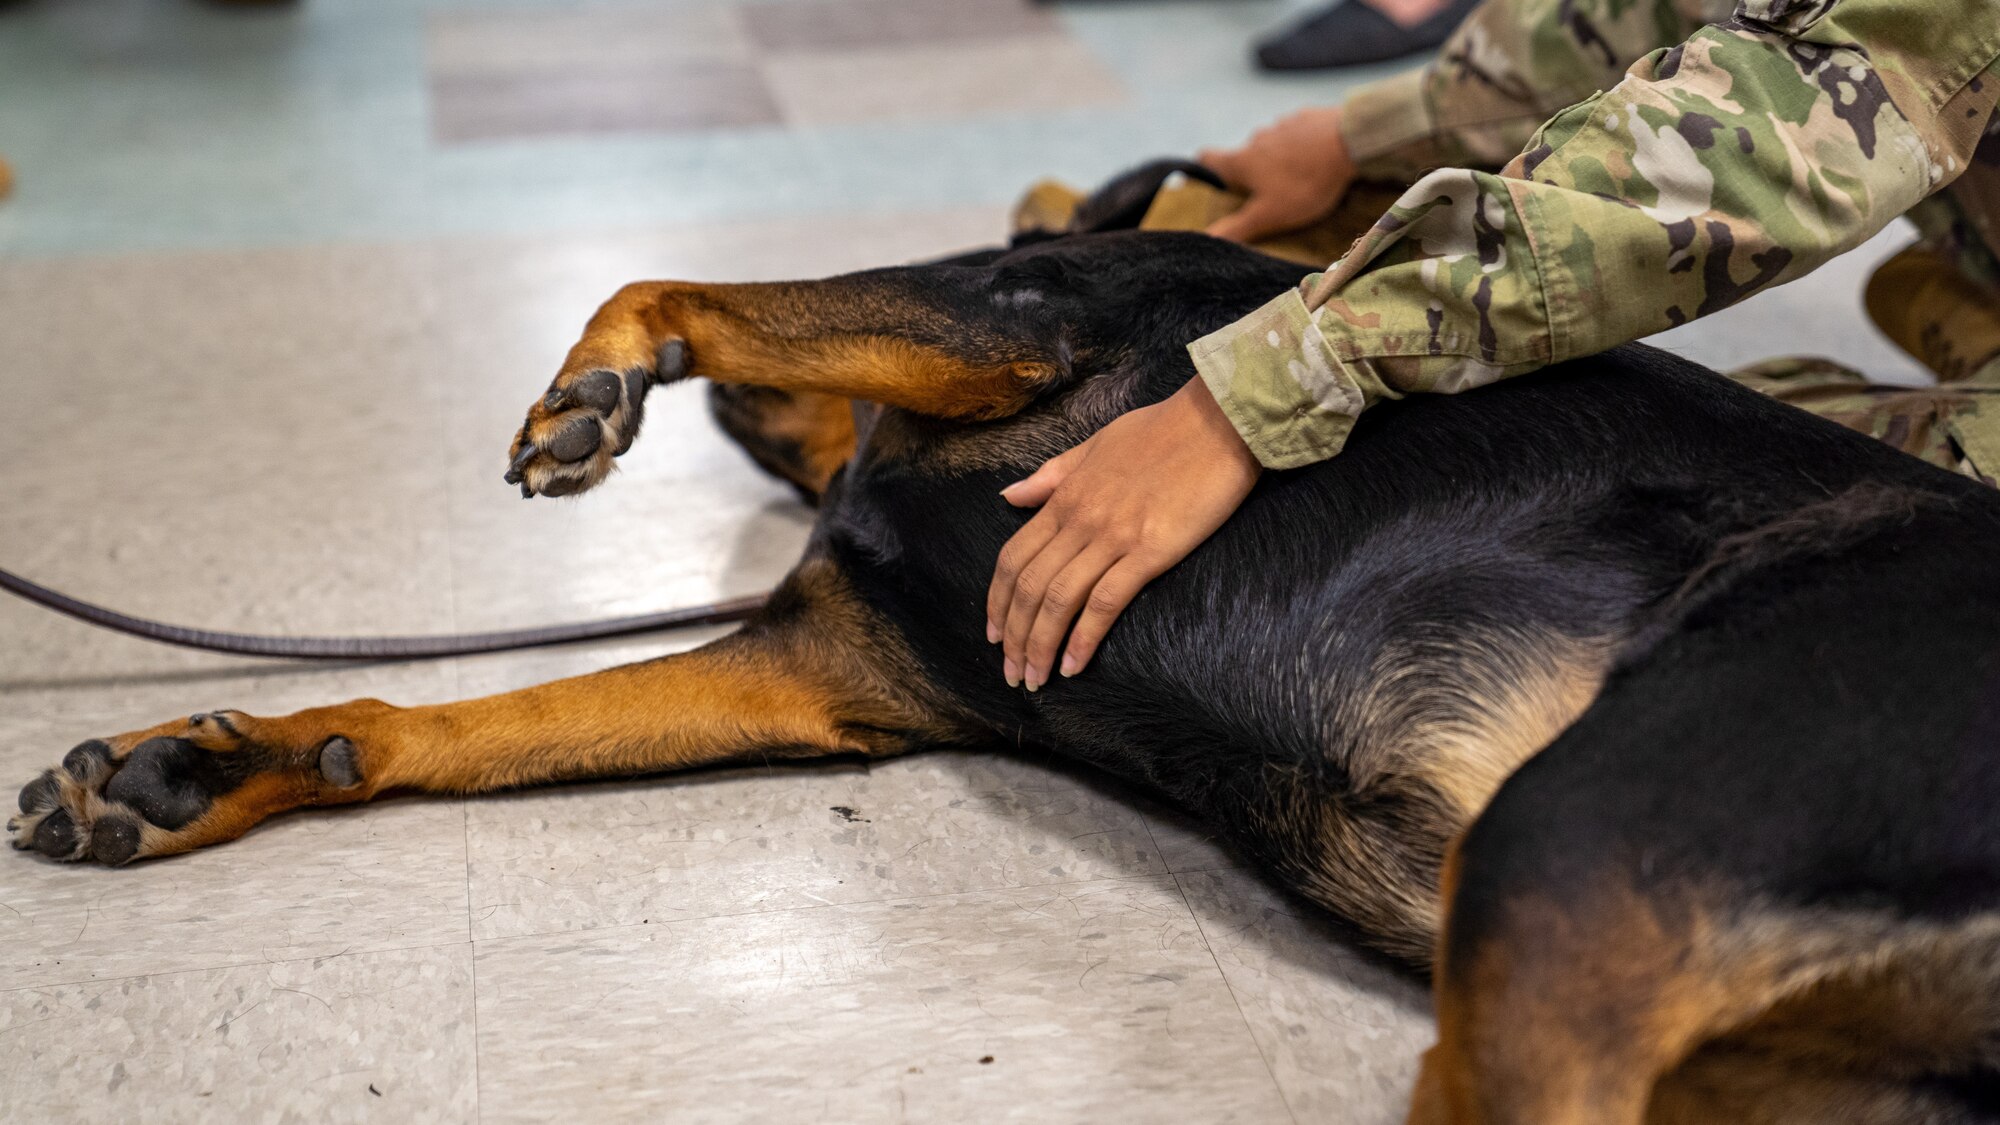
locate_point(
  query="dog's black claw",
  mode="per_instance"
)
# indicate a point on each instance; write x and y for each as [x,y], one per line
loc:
[597,390]
[41,793]
[577,439]
[527,491]
[635,409]
[561,487]
[114,840]
[83,762]
[519,467]
[673,361]
[556,399]
[55,836]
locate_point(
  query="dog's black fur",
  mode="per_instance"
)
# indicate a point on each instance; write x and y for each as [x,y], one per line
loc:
[1846,655]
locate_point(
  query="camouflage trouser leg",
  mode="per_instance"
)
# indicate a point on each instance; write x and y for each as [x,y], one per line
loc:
[1938,300]
[1954,426]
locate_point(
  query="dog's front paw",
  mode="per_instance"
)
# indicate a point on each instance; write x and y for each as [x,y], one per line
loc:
[186,784]
[589,417]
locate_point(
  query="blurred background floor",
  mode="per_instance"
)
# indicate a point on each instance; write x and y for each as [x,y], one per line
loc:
[275,287]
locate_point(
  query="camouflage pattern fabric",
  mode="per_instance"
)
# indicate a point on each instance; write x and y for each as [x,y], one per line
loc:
[1954,426]
[1745,157]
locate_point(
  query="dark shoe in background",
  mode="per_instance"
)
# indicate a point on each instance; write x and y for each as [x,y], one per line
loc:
[1351,34]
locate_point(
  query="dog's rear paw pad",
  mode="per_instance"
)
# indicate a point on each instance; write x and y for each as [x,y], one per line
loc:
[583,422]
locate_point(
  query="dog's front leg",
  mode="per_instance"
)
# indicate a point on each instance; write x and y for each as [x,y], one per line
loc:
[801,681]
[938,340]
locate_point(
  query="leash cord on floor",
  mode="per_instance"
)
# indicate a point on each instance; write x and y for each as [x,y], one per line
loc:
[378,648]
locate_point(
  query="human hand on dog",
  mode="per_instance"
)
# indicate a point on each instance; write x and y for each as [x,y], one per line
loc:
[1294,171]
[1116,512]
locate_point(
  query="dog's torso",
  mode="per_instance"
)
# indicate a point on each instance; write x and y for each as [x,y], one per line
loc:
[1347,672]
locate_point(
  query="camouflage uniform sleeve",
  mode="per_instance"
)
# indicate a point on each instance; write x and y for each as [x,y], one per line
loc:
[1743,158]
[1509,67]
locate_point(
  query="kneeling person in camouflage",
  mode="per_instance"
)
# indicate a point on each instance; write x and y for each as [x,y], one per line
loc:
[1584,173]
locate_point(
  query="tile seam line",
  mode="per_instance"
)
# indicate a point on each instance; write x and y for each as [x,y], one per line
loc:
[221,966]
[472,962]
[1284,1099]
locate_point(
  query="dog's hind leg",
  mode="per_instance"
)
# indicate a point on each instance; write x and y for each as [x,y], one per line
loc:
[1567,1008]
[801,437]
[941,340]
[808,678]
[1687,1003]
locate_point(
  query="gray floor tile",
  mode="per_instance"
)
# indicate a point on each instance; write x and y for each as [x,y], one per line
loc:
[382,1037]
[729,842]
[695,94]
[1097,1002]
[239,440]
[934,81]
[861,24]
[463,43]
[313,884]
[1341,1030]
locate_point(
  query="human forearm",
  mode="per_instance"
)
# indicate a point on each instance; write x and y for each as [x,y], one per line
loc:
[1743,159]
[1508,68]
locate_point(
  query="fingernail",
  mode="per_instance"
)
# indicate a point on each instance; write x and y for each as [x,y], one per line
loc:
[1011,487]
[1013,672]
[1068,665]
[1035,678]
[992,633]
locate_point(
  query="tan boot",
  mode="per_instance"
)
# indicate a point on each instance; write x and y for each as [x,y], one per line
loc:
[1192,205]
[1949,322]
[1048,206]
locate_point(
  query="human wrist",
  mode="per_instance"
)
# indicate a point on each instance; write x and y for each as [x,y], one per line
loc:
[1387,127]
[1340,152]
[1211,426]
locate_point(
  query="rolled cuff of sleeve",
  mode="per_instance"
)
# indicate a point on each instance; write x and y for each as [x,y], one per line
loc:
[1382,121]
[1279,384]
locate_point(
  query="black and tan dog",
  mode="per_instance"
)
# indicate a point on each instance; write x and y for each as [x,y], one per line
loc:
[1660,720]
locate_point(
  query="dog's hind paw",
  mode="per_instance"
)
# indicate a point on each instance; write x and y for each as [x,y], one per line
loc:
[586,420]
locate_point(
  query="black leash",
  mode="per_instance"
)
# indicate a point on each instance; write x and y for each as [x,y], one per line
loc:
[378,648]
